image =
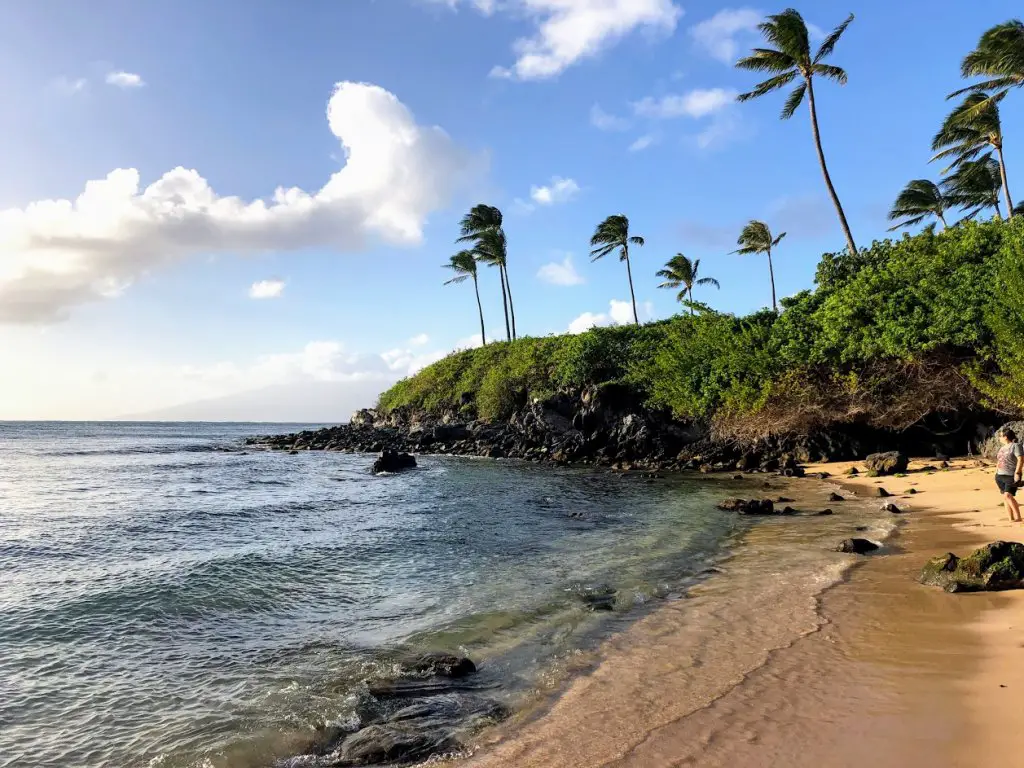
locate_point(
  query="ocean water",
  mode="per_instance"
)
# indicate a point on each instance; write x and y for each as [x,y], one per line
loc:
[170,598]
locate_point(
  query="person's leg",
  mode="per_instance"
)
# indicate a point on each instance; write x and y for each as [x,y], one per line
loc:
[1012,507]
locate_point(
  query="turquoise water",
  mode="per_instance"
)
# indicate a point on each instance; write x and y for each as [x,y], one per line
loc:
[169,598]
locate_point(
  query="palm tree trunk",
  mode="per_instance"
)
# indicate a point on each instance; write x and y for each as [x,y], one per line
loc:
[511,307]
[1006,184]
[771,274]
[632,296]
[480,308]
[689,292]
[504,301]
[942,218]
[824,169]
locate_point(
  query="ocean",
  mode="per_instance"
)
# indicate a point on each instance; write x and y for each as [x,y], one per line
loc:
[170,598]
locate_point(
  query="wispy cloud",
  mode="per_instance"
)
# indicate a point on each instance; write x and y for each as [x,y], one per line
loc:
[125,79]
[644,142]
[561,272]
[559,190]
[604,121]
[266,289]
[718,36]
[67,85]
[699,102]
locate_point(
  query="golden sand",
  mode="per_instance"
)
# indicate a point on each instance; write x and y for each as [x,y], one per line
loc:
[878,670]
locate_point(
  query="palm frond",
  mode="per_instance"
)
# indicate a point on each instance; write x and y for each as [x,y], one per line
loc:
[999,54]
[793,102]
[637,240]
[826,48]
[708,281]
[837,74]
[766,60]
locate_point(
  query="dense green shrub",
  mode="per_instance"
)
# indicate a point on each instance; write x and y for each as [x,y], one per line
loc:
[925,309]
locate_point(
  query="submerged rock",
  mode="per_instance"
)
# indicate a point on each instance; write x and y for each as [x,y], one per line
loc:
[749,507]
[598,597]
[995,566]
[888,463]
[856,546]
[441,664]
[393,742]
[393,461]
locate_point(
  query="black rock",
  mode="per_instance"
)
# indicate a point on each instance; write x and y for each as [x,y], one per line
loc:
[835,497]
[882,493]
[891,508]
[393,742]
[748,507]
[598,597]
[783,500]
[442,664]
[889,463]
[856,546]
[825,512]
[393,461]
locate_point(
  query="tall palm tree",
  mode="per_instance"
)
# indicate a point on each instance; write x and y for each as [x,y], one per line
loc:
[920,199]
[612,234]
[463,264]
[791,60]
[481,220]
[680,272]
[970,129]
[757,238]
[998,57]
[974,186]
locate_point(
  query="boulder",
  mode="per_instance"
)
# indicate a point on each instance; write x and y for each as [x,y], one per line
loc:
[835,497]
[748,507]
[856,546]
[598,597]
[852,471]
[392,743]
[363,417]
[889,463]
[441,664]
[995,566]
[393,461]
[882,493]
[891,508]
[447,432]
[825,513]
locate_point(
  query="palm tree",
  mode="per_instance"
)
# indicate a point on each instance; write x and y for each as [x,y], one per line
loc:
[680,272]
[974,186]
[475,226]
[463,264]
[970,129]
[791,60]
[998,57]
[920,199]
[613,234]
[757,238]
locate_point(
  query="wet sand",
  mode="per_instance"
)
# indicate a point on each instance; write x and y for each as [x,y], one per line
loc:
[762,668]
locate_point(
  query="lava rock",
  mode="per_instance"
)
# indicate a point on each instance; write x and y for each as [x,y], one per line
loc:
[856,546]
[393,742]
[835,497]
[881,493]
[825,513]
[892,509]
[748,507]
[393,461]
[597,597]
[888,463]
[440,664]
[996,566]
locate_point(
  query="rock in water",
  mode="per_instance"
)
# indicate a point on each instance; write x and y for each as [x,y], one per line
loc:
[882,493]
[599,597]
[393,461]
[393,742]
[995,566]
[888,463]
[856,546]
[749,507]
[835,497]
[441,664]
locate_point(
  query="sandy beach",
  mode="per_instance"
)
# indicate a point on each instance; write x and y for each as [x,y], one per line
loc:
[874,668]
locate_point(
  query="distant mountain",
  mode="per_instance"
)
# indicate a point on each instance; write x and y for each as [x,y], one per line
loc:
[315,402]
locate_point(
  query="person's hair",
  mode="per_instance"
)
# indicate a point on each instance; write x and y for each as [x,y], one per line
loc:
[1009,434]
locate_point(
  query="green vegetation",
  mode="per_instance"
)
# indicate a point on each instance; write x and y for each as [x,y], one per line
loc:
[923,324]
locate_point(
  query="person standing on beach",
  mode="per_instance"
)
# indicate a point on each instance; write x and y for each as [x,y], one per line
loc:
[1009,464]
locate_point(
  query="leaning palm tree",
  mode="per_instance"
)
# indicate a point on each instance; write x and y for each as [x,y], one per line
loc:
[998,57]
[757,238]
[920,199]
[974,186]
[481,220]
[463,264]
[970,129]
[791,60]
[492,249]
[612,234]
[680,272]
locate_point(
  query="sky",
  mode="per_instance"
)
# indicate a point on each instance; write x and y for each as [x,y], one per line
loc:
[201,202]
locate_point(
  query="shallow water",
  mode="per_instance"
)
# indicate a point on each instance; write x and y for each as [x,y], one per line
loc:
[170,599]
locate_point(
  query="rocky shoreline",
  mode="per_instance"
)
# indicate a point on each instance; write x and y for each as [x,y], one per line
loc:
[607,427]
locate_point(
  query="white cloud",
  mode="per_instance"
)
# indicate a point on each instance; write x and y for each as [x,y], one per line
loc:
[561,272]
[266,289]
[604,121]
[125,79]
[62,253]
[642,143]
[815,32]
[696,103]
[68,85]
[568,31]
[558,191]
[619,313]
[718,35]
[419,340]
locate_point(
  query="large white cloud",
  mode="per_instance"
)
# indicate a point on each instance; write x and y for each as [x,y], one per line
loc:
[61,253]
[619,313]
[561,272]
[568,31]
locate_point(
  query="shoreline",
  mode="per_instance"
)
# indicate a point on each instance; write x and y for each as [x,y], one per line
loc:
[892,672]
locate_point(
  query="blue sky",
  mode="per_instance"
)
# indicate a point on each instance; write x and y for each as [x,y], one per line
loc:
[627,109]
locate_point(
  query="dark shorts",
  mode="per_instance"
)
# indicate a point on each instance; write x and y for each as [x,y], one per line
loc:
[1006,484]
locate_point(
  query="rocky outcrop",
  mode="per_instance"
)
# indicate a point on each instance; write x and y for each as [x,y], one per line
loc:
[995,566]
[888,463]
[393,461]
[750,506]
[856,546]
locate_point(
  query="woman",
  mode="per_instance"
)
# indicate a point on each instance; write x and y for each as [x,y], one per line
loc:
[1009,464]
